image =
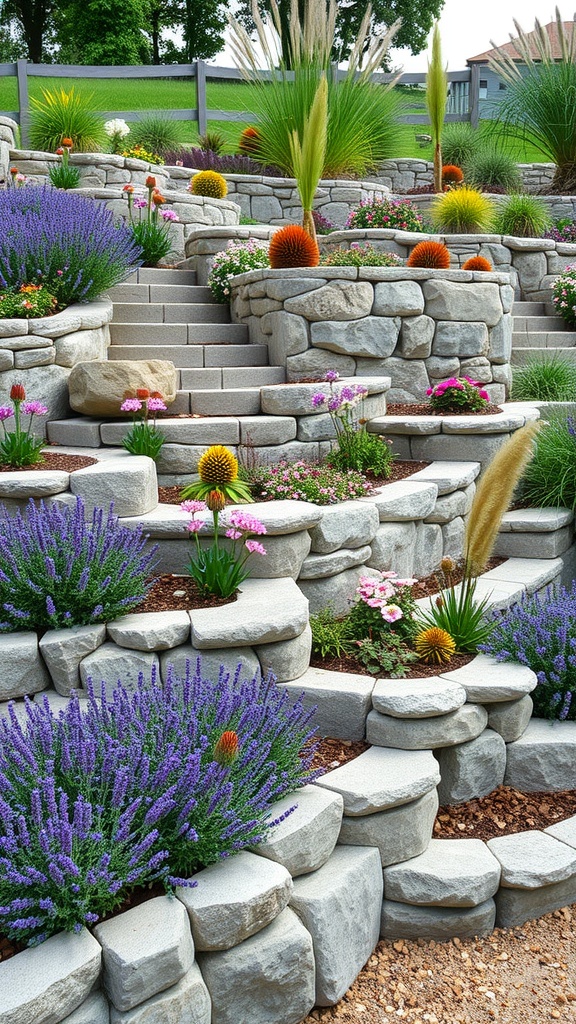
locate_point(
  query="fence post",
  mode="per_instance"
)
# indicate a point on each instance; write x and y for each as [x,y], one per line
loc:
[201,96]
[23,108]
[474,99]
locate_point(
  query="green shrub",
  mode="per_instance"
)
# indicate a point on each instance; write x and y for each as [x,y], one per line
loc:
[491,169]
[462,211]
[550,478]
[460,142]
[60,114]
[564,295]
[522,216]
[360,256]
[544,380]
[156,133]
[332,637]
[398,214]
[30,301]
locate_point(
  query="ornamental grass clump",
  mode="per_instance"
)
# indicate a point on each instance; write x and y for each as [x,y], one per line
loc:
[550,478]
[237,258]
[19,447]
[458,394]
[131,787]
[68,243]
[303,481]
[522,216]
[59,570]
[63,175]
[540,632]
[144,438]
[355,449]
[396,214]
[544,379]
[463,211]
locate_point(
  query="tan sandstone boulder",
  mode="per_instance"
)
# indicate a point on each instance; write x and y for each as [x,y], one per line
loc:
[99,388]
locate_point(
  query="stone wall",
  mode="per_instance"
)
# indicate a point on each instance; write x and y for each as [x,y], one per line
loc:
[416,326]
[8,129]
[40,353]
[405,173]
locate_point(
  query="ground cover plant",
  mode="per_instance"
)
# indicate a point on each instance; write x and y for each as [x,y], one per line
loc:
[60,568]
[544,379]
[28,302]
[305,481]
[237,258]
[564,295]
[68,243]
[564,230]
[360,255]
[135,787]
[398,214]
[540,632]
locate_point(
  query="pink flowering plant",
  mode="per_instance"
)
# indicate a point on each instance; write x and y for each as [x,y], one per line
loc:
[564,295]
[305,481]
[144,438]
[458,394]
[19,447]
[398,214]
[220,568]
[355,448]
[237,258]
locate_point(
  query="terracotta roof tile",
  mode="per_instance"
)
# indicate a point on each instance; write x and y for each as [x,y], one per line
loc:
[552,31]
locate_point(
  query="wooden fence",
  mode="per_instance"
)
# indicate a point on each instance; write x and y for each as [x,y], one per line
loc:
[462,103]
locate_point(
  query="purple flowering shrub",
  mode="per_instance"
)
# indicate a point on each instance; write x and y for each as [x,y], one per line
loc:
[458,394]
[66,242]
[56,570]
[137,787]
[224,163]
[540,632]
[355,448]
[563,231]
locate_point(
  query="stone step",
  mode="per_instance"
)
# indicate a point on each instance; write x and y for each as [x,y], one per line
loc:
[162,275]
[521,356]
[450,873]
[171,313]
[195,355]
[525,308]
[538,323]
[253,376]
[544,339]
[178,334]
[231,401]
[144,292]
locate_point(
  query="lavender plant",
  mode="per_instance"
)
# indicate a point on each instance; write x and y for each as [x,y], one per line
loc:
[57,570]
[224,163]
[540,632]
[66,242]
[154,784]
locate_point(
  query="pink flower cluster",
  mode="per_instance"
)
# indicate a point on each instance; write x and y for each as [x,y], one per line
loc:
[457,384]
[384,593]
[239,525]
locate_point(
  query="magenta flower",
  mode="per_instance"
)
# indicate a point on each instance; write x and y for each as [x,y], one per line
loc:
[233,534]
[194,526]
[247,522]
[34,409]
[318,399]
[169,215]
[6,411]
[255,548]
[131,405]
[156,405]
[193,506]
[331,376]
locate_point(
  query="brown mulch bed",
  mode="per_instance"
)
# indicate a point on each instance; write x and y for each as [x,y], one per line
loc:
[425,409]
[400,470]
[418,670]
[431,584]
[53,460]
[503,812]
[171,593]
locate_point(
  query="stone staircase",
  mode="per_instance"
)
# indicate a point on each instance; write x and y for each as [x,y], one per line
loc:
[164,314]
[538,331]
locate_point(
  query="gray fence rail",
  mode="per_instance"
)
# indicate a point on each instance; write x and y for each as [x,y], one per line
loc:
[462,104]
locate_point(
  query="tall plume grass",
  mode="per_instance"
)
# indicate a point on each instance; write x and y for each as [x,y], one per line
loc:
[436,100]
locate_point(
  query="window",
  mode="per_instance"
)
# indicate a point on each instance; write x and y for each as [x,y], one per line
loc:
[483,90]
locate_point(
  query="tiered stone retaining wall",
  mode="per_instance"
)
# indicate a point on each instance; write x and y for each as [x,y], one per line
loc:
[405,173]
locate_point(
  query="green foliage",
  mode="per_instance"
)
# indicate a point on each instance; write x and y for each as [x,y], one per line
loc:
[63,176]
[154,240]
[544,379]
[332,637]
[213,142]
[388,656]
[460,143]
[462,211]
[220,567]
[102,32]
[60,114]
[308,153]
[359,255]
[143,439]
[237,258]
[564,295]
[436,100]
[31,300]
[522,216]
[550,478]
[364,452]
[156,133]
[492,168]
[457,610]
[19,447]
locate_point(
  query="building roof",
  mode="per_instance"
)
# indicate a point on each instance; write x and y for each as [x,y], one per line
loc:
[552,31]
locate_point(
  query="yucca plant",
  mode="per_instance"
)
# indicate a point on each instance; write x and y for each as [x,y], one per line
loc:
[309,152]
[60,114]
[463,211]
[538,106]
[523,216]
[362,118]
[436,100]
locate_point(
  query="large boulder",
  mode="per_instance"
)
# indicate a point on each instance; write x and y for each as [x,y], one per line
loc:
[99,388]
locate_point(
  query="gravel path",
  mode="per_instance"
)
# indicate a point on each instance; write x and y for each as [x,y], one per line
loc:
[526,975]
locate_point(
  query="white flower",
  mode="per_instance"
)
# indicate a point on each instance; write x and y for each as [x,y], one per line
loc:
[116,127]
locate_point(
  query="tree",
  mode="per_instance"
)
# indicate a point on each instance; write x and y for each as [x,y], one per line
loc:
[25,29]
[202,24]
[417,19]
[102,32]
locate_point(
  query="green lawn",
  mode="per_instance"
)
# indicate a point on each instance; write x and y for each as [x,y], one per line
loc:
[167,94]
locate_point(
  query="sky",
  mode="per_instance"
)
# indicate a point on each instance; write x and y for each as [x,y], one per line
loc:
[467,26]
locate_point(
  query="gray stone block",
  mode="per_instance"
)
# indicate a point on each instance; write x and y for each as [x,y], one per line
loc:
[288,659]
[488,681]
[340,906]
[381,778]
[371,337]
[31,484]
[304,838]
[450,873]
[334,592]
[426,733]
[128,482]
[398,834]
[150,631]
[534,545]
[266,611]
[146,950]
[452,300]
[323,566]
[417,698]
[510,718]
[64,649]
[565,831]
[268,979]
[111,664]
[403,500]
[428,548]
[393,548]
[342,701]
[532,859]
[234,899]
[398,298]
[346,525]
[94,1010]
[48,982]
[460,339]
[337,300]
[416,337]
[402,921]
[208,664]
[23,671]
[471,770]
[515,906]
[188,1000]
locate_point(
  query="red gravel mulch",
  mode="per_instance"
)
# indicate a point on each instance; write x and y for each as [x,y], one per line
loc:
[503,812]
[425,409]
[53,460]
[171,593]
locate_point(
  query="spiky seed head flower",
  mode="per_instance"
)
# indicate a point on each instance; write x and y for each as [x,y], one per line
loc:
[218,465]
[249,141]
[434,645]
[209,183]
[477,263]
[17,393]
[226,748]
[447,564]
[429,254]
[452,174]
[67,142]
[142,394]
[292,246]
[215,501]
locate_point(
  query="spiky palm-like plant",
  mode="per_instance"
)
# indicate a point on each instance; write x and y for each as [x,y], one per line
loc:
[436,100]
[362,117]
[538,106]
[309,152]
